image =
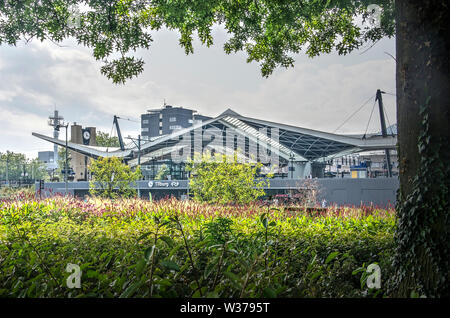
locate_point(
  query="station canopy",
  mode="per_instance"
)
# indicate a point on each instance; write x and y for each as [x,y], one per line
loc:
[291,143]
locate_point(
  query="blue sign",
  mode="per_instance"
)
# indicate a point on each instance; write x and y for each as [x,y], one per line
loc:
[163,184]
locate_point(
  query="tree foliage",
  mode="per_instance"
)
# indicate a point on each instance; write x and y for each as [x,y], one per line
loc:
[58,173]
[18,164]
[105,140]
[112,178]
[163,172]
[37,169]
[269,31]
[222,179]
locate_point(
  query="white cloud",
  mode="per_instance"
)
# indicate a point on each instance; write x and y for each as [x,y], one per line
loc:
[16,127]
[320,97]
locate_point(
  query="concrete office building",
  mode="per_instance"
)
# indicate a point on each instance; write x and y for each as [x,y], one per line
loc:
[164,121]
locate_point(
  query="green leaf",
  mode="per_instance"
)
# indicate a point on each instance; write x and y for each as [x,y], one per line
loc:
[164,282]
[315,275]
[131,290]
[269,292]
[168,240]
[358,270]
[265,223]
[140,266]
[170,265]
[262,217]
[331,257]
[92,274]
[148,253]
[234,278]
[212,294]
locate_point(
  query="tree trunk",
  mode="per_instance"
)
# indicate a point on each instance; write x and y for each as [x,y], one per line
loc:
[423,98]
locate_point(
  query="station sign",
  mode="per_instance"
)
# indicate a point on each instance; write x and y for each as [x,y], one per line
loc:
[163,184]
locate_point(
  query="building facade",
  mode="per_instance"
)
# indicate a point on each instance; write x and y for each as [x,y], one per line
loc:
[46,157]
[79,162]
[373,165]
[166,120]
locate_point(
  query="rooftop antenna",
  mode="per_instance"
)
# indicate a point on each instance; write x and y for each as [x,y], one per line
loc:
[55,121]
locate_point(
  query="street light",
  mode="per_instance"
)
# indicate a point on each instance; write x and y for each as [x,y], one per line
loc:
[65,164]
[138,145]
[292,165]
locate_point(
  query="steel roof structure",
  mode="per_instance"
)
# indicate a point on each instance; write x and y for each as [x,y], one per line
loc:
[294,143]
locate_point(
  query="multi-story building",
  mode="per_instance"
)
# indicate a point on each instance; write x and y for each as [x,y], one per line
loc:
[166,120]
[47,158]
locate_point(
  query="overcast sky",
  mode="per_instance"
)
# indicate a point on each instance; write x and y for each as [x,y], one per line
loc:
[317,93]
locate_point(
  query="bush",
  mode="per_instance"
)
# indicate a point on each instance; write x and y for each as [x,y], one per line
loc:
[112,178]
[224,179]
[134,248]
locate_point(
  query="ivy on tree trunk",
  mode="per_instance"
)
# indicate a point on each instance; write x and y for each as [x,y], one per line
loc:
[423,89]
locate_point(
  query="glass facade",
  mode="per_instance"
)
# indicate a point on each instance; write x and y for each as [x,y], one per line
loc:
[164,170]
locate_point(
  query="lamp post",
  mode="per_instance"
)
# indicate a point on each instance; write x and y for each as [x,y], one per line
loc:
[292,165]
[139,164]
[65,164]
[138,145]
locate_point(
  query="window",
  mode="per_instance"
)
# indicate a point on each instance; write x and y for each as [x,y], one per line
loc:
[145,121]
[172,119]
[175,127]
[144,129]
[160,124]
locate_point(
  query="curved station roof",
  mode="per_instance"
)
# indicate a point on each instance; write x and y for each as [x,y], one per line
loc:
[290,142]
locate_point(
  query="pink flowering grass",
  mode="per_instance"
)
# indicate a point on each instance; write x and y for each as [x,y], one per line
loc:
[134,207]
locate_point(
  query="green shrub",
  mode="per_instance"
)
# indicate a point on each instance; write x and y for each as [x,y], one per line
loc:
[155,250]
[223,179]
